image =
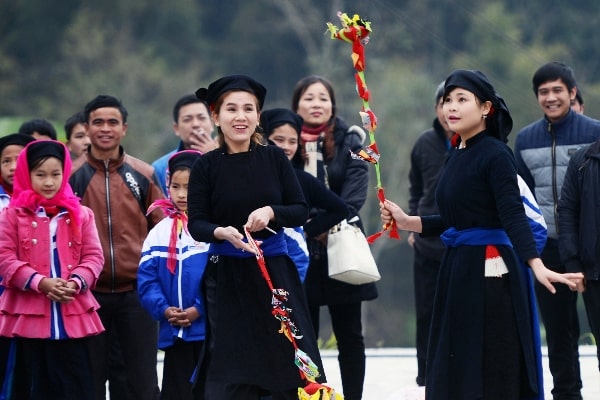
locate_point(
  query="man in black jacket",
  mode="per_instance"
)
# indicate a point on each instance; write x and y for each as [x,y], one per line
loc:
[427,159]
[579,225]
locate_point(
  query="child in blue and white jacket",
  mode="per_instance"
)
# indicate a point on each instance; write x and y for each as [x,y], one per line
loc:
[171,268]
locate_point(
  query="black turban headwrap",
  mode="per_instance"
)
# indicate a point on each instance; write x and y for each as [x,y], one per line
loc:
[499,122]
[232,82]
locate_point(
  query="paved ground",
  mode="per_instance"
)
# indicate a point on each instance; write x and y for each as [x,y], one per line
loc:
[391,373]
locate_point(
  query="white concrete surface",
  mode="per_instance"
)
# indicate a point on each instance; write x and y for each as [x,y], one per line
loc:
[391,373]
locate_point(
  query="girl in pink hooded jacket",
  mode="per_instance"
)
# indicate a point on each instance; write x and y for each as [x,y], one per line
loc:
[50,258]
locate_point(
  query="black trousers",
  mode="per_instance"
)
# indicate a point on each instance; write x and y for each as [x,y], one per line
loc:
[137,333]
[591,299]
[54,370]
[5,345]
[179,364]
[118,385]
[561,322]
[346,322]
[425,272]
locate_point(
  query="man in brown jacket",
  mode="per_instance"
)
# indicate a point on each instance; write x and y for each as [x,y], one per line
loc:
[119,188]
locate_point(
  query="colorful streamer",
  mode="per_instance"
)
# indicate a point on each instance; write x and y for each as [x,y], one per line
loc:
[307,368]
[356,31]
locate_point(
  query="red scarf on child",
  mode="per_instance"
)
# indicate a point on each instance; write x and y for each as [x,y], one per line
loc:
[179,223]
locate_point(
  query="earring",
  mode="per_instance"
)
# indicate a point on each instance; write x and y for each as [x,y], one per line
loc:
[484,116]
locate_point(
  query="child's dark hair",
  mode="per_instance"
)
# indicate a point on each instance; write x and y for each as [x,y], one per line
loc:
[179,168]
[33,164]
[77,118]
[39,125]
[181,161]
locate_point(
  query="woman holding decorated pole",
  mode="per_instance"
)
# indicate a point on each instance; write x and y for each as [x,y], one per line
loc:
[482,342]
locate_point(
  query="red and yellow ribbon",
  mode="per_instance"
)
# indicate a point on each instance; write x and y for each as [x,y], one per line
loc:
[309,371]
[356,31]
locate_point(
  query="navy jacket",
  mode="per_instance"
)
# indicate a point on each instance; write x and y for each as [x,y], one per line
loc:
[543,150]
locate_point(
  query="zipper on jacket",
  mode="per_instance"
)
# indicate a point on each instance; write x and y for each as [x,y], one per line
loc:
[110,235]
[179,277]
[554,184]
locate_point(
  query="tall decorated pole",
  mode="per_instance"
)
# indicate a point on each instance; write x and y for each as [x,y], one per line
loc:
[356,31]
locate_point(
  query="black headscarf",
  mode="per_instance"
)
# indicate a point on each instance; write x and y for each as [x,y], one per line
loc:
[499,122]
[42,149]
[274,118]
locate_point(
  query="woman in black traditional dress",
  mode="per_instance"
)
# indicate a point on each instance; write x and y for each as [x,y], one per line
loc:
[481,343]
[245,185]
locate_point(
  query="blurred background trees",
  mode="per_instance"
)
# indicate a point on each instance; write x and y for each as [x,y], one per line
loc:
[55,56]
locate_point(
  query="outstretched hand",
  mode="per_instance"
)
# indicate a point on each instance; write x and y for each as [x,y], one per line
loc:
[545,276]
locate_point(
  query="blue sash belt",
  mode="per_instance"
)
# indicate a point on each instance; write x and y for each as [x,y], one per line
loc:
[272,246]
[475,237]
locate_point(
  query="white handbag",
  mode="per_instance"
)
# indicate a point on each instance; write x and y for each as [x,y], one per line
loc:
[349,256]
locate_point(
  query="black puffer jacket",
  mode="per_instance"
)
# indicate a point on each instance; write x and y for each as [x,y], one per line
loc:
[349,178]
[579,214]
[427,160]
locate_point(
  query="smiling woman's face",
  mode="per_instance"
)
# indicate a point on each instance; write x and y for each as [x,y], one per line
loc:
[238,117]
[315,105]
